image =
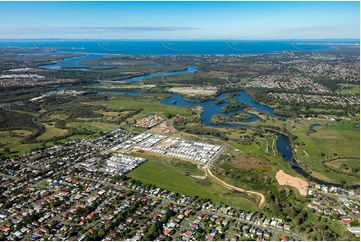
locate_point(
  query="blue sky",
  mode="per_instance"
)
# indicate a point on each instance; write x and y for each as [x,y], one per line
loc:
[180,20]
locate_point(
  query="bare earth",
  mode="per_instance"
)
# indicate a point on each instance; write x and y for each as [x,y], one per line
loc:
[285,179]
[165,127]
[195,91]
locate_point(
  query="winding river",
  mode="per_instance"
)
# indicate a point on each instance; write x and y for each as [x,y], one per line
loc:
[189,69]
[74,63]
[312,129]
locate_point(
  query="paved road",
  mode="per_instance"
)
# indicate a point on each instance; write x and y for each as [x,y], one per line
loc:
[183,225]
[231,225]
[275,235]
[8,176]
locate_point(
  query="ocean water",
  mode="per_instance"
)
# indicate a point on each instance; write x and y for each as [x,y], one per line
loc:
[167,46]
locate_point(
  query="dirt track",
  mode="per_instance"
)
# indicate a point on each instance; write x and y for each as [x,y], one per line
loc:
[226,185]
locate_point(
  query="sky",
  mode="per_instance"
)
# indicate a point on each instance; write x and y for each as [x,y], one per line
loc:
[180,20]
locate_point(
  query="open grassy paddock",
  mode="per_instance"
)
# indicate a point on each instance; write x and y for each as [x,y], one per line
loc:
[347,166]
[92,127]
[149,105]
[175,175]
[349,89]
[12,140]
[51,132]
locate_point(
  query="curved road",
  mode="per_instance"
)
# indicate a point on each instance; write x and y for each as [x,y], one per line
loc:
[261,202]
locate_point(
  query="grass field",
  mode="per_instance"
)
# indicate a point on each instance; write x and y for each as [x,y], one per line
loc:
[25,148]
[17,148]
[149,105]
[24,112]
[112,115]
[332,111]
[351,163]
[10,139]
[319,110]
[346,166]
[93,127]
[19,133]
[51,132]
[174,175]
[349,89]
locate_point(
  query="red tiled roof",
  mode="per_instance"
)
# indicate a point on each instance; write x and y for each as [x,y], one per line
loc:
[283,238]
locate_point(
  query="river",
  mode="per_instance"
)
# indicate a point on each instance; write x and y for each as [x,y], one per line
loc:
[312,129]
[74,63]
[189,69]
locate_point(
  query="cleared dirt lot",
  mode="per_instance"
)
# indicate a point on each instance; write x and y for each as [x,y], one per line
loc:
[285,179]
[195,91]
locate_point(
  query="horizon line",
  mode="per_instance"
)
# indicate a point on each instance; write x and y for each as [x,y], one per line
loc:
[191,39]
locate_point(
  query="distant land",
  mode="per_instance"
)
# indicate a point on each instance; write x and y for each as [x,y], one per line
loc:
[171,46]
